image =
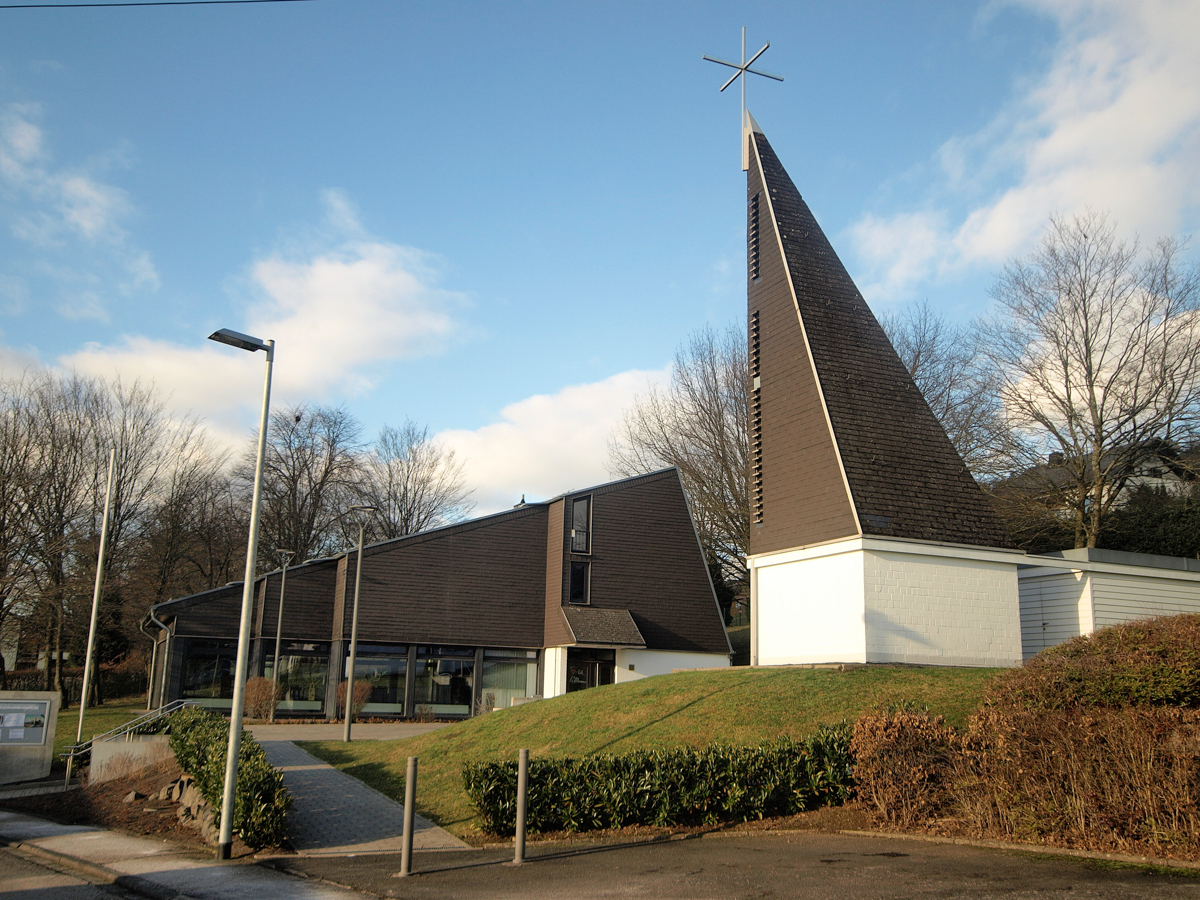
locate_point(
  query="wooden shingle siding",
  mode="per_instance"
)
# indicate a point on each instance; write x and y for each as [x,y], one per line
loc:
[481,583]
[215,613]
[307,606]
[905,478]
[645,559]
[804,499]
[556,632]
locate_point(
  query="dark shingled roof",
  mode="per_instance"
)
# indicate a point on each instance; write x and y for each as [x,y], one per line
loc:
[603,626]
[905,477]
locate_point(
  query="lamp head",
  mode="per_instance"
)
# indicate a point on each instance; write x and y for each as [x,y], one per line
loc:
[237,339]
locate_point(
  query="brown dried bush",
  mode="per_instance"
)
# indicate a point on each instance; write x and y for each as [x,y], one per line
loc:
[903,760]
[1113,779]
[1150,662]
[261,698]
[362,695]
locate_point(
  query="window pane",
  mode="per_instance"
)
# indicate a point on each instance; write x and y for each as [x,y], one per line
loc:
[579,526]
[208,672]
[504,680]
[444,685]
[386,672]
[579,585]
[302,676]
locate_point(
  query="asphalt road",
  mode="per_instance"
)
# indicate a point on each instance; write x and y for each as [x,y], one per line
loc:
[22,878]
[796,866]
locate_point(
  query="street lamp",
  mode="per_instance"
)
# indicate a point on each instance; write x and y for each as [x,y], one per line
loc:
[287,556]
[362,521]
[228,801]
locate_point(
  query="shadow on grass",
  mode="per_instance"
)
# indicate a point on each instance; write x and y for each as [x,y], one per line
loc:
[742,682]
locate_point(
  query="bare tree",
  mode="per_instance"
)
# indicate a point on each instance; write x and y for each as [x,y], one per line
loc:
[1096,351]
[309,475]
[699,423]
[413,482]
[946,362]
[15,449]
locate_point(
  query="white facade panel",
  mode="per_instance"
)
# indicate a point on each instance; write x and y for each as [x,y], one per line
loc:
[811,610]
[937,607]
[1121,597]
[1055,607]
[555,681]
[635,664]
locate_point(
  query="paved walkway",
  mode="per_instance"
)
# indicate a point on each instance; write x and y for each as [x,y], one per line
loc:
[333,813]
[144,866]
[374,731]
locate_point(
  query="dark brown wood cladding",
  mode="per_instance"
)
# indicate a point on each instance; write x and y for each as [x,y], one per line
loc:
[906,479]
[556,631]
[307,604]
[481,583]
[215,613]
[645,558]
[804,495]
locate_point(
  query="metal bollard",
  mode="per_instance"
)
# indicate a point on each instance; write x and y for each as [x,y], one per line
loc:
[410,802]
[522,796]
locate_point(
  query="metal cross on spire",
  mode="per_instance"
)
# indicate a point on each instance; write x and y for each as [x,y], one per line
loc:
[742,69]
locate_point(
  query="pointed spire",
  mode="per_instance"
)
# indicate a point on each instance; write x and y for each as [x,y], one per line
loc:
[844,443]
[749,127]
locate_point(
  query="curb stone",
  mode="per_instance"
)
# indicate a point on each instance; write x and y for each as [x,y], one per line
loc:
[94,872]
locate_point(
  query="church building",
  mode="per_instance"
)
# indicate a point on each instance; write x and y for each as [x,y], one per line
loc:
[869,539]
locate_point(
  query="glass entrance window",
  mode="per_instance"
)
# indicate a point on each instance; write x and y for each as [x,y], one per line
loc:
[303,670]
[444,680]
[588,668]
[208,673]
[508,674]
[385,668]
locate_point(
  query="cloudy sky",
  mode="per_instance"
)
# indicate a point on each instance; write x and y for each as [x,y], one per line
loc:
[499,220]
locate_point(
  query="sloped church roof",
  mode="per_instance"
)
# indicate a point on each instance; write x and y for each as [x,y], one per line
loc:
[844,443]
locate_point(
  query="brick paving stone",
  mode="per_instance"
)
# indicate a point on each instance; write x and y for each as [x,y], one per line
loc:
[334,813]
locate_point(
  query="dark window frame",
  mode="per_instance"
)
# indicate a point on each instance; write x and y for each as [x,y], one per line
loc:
[587,534]
[586,566]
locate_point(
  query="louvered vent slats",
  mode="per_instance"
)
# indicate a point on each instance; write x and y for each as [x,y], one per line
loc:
[756,473]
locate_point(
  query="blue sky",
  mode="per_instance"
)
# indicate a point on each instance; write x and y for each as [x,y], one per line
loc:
[500,219]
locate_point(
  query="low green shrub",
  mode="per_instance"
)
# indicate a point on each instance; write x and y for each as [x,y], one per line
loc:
[1150,662]
[681,786]
[200,741]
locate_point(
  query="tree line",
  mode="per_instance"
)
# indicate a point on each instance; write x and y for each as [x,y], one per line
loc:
[180,506]
[1072,401]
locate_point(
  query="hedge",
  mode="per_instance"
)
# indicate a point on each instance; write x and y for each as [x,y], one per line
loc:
[683,786]
[200,740]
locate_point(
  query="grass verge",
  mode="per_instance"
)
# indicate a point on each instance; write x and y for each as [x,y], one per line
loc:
[734,706]
[97,720]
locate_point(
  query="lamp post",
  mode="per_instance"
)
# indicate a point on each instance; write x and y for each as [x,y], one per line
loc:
[287,556]
[362,521]
[228,801]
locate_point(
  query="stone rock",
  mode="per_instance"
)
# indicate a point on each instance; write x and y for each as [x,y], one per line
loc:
[133,796]
[164,794]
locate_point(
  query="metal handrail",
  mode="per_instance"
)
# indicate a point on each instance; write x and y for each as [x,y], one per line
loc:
[74,751]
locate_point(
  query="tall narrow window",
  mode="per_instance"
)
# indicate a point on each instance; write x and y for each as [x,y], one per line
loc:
[579,582]
[581,525]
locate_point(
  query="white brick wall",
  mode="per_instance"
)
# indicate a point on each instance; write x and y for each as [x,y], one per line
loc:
[875,600]
[941,609]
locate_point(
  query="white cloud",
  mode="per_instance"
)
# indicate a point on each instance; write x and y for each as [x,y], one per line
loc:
[1114,124]
[67,215]
[337,314]
[546,444]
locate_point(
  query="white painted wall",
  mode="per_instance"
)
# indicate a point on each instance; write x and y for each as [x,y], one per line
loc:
[810,610]
[1122,596]
[635,664]
[940,605]
[555,681]
[1055,607]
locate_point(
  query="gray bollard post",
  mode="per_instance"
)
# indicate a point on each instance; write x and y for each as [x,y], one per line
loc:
[522,796]
[410,802]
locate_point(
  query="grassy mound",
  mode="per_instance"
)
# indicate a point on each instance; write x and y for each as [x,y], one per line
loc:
[692,709]
[1151,662]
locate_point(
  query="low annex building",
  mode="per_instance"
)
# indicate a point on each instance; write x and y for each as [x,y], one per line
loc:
[597,586]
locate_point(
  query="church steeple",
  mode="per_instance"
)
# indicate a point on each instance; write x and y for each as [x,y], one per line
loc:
[843,443]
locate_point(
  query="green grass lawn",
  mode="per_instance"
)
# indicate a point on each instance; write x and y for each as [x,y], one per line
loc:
[735,706]
[97,720]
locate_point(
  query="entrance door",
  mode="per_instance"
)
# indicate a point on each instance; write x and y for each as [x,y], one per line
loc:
[588,668]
